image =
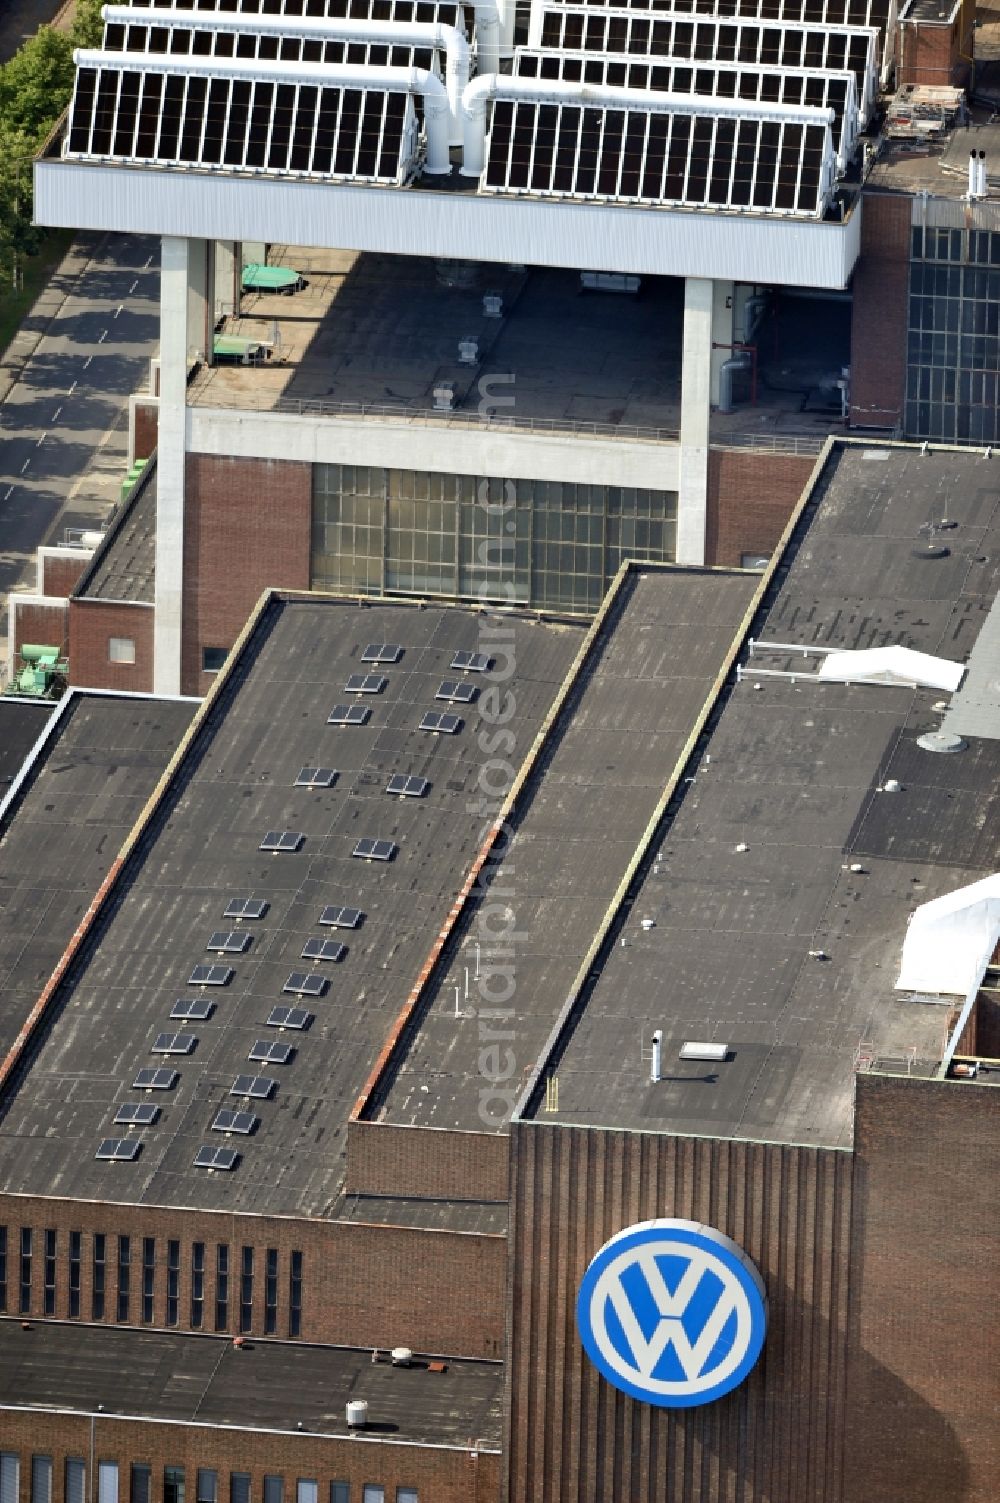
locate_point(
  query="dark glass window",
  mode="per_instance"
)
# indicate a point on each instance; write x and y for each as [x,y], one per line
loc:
[295,1295]
[25,1270]
[173,1484]
[208,1485]
[197,1285]
[49,1286]
[148,1278]
[124,1270]
[3,1268]
[246,1290]
[173,1281]
[222,1287]
[100,1253]
[271,1292]
[75,1249]
[141,1477]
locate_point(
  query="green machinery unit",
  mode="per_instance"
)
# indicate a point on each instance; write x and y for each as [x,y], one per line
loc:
[42,674]
[129,483]
[271,279]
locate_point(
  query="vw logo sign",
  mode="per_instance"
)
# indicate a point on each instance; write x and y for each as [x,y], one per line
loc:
[672,1312]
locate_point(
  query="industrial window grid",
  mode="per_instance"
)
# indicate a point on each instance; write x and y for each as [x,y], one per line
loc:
[148,1279]
[124,1277]
[755,84]
[246,1289]
[99,1276]
[75,1271]
[173,1281]
[249,45]
[782,44]
[445,11]
[140,111]
[802,12]
[295,1294]
[3,1268]
[573,151]
[197,1285]
[49,1273]
[222,1286]
[567,545]
[25,1301]
[270,1291]
[953,336]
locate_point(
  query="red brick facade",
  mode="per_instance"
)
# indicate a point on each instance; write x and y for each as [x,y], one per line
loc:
[879,317]
[937,53]
[60,576]
[751,495]
[439,1165]
[92,624]
[248,525]
[145,423]
[44,624]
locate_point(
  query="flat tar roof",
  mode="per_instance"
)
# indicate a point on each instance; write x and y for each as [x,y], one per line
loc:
[124,566]
[66,823]
[201,849]
[266,1385]
[760,935]
[22,721]
[650,671]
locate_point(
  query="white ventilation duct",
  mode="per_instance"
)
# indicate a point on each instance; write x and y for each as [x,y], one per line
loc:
[487,87]
[488,32]
[446,39]
[950,940]
[328,75]
[900,666]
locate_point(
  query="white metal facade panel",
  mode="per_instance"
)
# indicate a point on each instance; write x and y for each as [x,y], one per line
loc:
[593,237]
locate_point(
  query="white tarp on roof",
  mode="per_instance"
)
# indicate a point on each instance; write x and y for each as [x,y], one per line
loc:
[949,941]
[892,665]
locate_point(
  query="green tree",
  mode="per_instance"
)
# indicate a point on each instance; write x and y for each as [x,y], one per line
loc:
[88,28]
[36,84]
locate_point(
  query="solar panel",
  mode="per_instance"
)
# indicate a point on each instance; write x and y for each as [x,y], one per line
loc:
[192,1009]
[230,941]
[365,683]
[445,11]
[455,689]
[230,1121]
[187,111]
[472,662]
[407,787]
[382,652]
[257,1087]
[341,918]
[819,12]
[264,1053]
[211,975]
[245,908]
[323,949]
[183,34]
[119,1150]
[208,1157]
[136,1114]
[305,984]
[374,850]
[289,1017]
[315,777]
[441,725]
[174,1043]
[348,715]
[281,840]
[155,1080]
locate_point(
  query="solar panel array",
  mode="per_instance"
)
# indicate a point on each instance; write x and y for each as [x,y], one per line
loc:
[804,12]
[252,46]
[428,11]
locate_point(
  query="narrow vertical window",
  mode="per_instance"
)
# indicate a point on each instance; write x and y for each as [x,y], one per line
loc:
[246,1290]
[340,1492]
[124,1266]
[197,1285]
[222,1287]
[295,1295]
[41,1479]
[274,1490]
[373,1492]
[76,1480]
[25,1270]
[173,1484]
[207,1485]
[306,1491]
[107,1482]
[239,1487]
[271,1293]
[75,1248]
[10,1476]
[141,1478]
[173,1281]
[100,1253]
[148,1278]
[3,1268]
[49,1273]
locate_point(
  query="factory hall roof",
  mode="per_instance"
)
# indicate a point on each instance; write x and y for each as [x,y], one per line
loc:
[807,827]
[22,721]
[274,912]
[65,822]
[265,1386]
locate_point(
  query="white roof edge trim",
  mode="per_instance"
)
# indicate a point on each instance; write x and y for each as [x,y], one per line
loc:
[900,666]
[488,86]
[949,941]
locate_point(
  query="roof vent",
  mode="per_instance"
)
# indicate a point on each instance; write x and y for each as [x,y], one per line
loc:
[444,398]
[357,1414]
[942,741]
[468,351]
[892,785]
[401,1356]
[492,305]
[695,1050]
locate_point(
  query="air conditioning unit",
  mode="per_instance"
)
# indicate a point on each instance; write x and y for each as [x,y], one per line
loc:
[492,305]
[444,398]
[468,351]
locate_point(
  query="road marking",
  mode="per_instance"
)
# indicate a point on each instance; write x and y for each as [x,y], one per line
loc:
[134,284]
[103,337]
[119,309]
[55,415]
[87,361]
[26,464]
[10,492]
[40,441]
[148,264]
[70,392]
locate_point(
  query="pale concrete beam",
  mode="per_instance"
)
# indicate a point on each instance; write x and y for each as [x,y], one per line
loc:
[182,285]
[696,379]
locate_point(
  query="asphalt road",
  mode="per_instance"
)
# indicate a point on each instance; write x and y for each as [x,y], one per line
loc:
[20,19]
[62,434]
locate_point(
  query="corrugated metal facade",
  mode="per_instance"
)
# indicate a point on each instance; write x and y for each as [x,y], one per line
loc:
[571,1437]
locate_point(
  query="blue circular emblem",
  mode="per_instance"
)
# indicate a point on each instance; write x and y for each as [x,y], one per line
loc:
[672,1312]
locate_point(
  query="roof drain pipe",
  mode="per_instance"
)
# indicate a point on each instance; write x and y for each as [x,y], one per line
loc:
[320,75]
[488,86]
[440,38]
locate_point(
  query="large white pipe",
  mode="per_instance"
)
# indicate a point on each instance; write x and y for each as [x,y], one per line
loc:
[446,39]
[488,30]
[320,75]
[558,91]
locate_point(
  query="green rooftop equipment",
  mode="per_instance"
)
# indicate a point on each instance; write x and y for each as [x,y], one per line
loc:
[228,349]
[258,278]
[42,674]
[129,483]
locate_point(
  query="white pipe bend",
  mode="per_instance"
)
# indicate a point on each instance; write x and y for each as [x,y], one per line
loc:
[330,75]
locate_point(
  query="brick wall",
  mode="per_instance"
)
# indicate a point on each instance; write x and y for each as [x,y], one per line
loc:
[248,525]
[43,622]
[59,576]
[386,1160]
[751,495]
[439,1475]
[879,317]
[145,423]
[925,1364]
[92,623]
[434,1291]
[932,54]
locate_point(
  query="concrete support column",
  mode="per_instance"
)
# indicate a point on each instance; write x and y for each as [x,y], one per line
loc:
[225,302]
[696,381]
[723,331]
[176,300]
[199,302]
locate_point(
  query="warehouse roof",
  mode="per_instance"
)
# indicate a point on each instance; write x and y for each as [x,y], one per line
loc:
[266,1385]
[65,822]
[777,889]
[22,721]
[239,782]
